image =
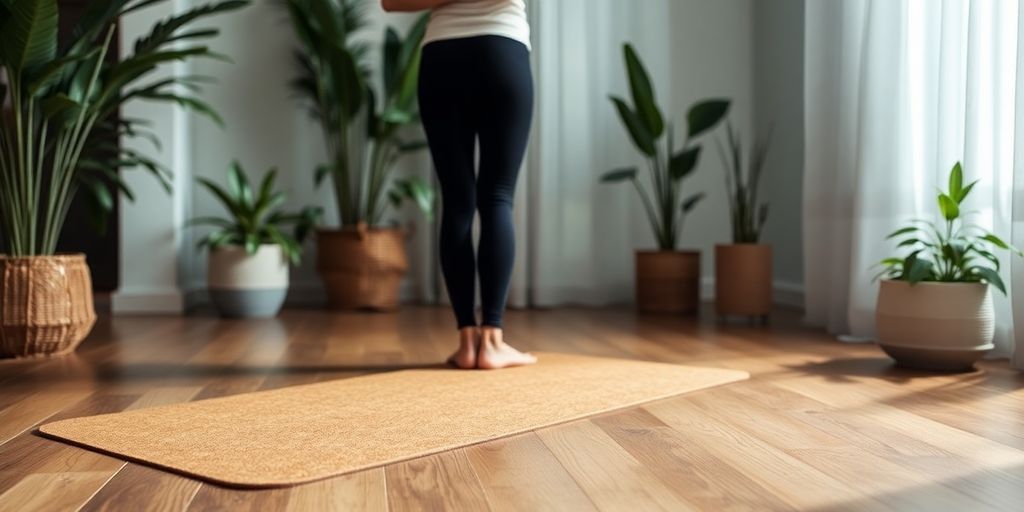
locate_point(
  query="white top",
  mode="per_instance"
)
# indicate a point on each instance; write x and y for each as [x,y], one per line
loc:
[468,18]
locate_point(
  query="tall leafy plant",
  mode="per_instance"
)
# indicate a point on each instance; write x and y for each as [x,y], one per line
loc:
[951,251]
[664,203]
[334,79]
[747,214]
[51,144]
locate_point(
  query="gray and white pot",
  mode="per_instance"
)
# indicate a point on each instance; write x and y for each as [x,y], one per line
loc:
[935,326]
[248,286]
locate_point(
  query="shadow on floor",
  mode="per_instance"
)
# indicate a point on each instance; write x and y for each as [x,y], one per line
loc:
[162,371]
[847,368]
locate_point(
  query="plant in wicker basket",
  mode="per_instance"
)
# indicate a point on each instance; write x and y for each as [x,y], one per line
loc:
[59,100]
[362,263]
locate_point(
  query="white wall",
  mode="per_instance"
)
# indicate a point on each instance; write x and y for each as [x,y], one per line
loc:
[779,103]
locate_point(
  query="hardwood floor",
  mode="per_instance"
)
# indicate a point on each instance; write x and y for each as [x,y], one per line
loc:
[820,425]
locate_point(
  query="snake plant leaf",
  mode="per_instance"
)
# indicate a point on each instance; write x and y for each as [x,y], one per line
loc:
[643,92]
[684,162]
[956,183]
[991,277]
[619,175]
[705,115]
[635,126]
[28,37]
[949,207]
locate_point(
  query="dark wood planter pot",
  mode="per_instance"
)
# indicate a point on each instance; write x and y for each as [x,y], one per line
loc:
[743,280]
[668,281]
[362,268]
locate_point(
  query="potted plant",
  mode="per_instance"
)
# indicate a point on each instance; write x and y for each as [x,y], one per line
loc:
[61,104]
[934,308]
[743,269]
[363,262]
[250,250]
[667,280]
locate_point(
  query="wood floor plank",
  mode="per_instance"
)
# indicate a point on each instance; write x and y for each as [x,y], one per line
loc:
[689,469]
[46,492]
[611,477]
[365,491]
[507,466]
[445,481]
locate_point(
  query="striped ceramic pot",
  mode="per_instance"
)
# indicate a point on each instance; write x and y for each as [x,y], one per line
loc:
[243,285]
[935,326]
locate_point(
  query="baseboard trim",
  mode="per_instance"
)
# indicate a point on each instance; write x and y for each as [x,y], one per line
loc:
[142,302]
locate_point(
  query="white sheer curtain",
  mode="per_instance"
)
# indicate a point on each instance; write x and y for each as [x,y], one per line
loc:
[897,91]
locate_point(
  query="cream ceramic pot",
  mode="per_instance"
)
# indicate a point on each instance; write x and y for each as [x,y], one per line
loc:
[935,326]
[244,285]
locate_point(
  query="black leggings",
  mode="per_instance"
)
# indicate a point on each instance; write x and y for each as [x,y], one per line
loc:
[470,88]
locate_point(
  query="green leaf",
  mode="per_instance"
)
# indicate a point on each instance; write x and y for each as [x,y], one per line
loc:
[321,173]
[619,175]
[996,241]
[991,277]
[956,183]
[684,162]
[902,231]
[705,115]
[643,93]
[637,129]
[918,270]
[60,107]
[949,208]
[692,201]
[238,185]
[28,37]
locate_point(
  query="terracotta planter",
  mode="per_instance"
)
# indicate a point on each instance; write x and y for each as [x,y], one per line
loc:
[46,305]
[935,326]
[362,268]
[668,281]
[743,280]
[244,285]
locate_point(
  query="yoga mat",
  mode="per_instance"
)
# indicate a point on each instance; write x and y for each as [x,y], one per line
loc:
[304,433]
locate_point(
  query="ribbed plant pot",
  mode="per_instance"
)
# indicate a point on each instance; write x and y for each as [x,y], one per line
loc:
[244,285]
[935,326]
[743,280]
[668,281]
[46,305]
[362,268]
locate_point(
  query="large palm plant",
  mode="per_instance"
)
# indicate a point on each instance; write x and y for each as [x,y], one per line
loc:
[646,125]
[334,79]
[56,98]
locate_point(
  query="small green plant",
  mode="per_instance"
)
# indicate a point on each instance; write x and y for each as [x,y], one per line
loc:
[951,252]
[254,218]
[748,216]
[646,126]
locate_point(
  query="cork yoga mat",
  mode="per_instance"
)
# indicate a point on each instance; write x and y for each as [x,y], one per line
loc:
[304,433]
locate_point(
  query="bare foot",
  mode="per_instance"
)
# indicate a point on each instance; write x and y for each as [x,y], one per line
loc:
[495,353]
[465,356]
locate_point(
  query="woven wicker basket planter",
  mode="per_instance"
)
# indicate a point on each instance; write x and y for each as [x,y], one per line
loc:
[362,268]
[46,305]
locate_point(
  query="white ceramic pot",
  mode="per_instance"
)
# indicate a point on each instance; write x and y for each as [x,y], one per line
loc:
[935,326]
[244,285]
